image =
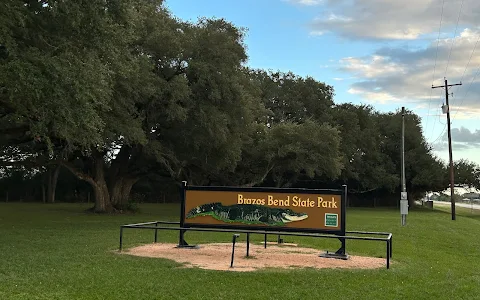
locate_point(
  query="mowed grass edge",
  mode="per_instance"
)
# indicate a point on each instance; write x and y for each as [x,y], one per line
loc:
[56,251]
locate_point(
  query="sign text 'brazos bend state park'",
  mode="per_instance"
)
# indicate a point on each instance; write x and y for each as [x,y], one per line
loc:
[296,201]
[264,209]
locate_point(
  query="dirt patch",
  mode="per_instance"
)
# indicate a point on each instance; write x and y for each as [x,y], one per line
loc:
[217,257]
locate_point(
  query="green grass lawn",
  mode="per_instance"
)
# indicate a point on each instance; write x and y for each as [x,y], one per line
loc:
[459,211]
[56,251]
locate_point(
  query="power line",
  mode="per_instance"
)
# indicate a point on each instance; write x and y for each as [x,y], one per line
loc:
[438,41]
[441,134]
[466,91]
[471,54]
[435,65]
[444,126]
[434,122]
[451,47]
[454,37]
[463,75]
[452,180]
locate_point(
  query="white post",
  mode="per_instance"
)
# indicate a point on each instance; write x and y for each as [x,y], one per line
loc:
[403,194]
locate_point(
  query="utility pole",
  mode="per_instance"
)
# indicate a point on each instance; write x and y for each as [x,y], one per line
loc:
[452,181]
[403,194]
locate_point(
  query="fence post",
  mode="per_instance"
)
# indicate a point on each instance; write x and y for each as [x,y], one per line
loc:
[233,248]
[388,254]
[121,238]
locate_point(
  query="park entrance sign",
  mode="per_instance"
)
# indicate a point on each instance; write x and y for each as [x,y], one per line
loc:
[316,213]
[319,211]
[300,210]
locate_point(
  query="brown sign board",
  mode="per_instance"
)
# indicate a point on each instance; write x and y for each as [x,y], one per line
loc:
[298,210]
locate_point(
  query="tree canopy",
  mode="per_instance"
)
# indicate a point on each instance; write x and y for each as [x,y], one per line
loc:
[122,94]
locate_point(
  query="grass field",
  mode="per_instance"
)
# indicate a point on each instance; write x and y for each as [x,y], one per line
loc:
[58,252]
[459,211]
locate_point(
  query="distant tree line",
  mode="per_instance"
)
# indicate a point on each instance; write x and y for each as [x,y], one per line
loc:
[114,102]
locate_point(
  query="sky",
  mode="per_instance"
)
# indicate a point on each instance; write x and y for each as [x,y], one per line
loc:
[384,53]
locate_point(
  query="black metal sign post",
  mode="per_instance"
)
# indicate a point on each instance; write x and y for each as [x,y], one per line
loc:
[181,239]
[235,236]
[341,252]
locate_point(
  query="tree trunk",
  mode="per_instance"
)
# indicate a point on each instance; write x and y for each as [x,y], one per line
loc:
[102,198]
[52,184]
[98,183]
[102,194]
[120,183]
[43,193]
[44,190]
[120,191]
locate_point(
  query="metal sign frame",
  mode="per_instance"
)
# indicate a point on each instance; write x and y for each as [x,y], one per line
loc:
[340,232]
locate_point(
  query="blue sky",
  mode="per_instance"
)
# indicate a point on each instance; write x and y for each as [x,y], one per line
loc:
[384,53]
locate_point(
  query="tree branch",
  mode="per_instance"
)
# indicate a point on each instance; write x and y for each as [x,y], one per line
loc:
[78,173]
[362,192]
[21,130]
[261,179]
[28,163]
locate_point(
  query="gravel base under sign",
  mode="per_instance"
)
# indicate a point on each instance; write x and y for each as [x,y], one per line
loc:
[217,257]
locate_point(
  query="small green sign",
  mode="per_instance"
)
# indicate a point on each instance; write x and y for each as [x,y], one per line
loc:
[331,220]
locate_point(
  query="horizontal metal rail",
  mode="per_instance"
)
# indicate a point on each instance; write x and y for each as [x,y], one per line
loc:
[154,222]
[176,223]
[144,223]
[387,239]
[259,232]
[368,232]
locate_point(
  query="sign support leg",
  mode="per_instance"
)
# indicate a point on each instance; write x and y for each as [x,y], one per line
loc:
[339,254]
[181,238]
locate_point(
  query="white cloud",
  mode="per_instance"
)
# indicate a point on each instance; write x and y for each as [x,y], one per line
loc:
[389,19]
[371,67]
[464,135]
[399,74]
[335,18]
[317,33]
[343,78]
[376,97]
[464,113]
[305,2]
[462,138]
